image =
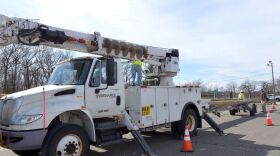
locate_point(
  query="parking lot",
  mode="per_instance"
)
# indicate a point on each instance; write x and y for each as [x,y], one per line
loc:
[246,135]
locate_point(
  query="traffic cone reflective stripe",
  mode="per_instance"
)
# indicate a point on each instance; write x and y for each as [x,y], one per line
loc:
[187,138]
[187,144]
[268,119]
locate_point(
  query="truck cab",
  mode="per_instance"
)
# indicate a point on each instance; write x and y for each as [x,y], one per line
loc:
[78,91]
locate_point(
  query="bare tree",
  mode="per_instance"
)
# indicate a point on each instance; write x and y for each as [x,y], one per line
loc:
[277,85]
[47,58]
[249,87]
[266,86]
[23,67]
[8,68]
[197,83]
[231,87]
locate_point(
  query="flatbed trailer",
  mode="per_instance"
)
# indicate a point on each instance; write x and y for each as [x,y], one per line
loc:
[233,106]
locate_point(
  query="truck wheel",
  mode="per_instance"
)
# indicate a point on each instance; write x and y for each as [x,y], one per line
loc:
[232,111]
[66,139]
[189,118]
[253,110]
[277,99]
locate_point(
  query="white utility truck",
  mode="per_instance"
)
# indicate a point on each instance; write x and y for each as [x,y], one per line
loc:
[271,97]
[86,101]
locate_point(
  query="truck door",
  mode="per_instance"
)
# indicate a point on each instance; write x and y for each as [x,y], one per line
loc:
[103,100]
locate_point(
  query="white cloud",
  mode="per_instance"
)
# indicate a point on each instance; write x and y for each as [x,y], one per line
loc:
[229,39]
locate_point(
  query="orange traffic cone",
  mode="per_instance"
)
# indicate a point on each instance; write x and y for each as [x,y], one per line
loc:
[187,144]
[273,105]
[268,119]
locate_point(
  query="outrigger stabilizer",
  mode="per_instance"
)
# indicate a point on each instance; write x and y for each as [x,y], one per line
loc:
[212,123]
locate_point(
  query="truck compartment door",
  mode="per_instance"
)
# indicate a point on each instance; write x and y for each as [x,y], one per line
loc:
[175,107]
[148,107]
[162,105]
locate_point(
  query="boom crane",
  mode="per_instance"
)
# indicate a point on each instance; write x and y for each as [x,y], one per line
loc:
[86,100]
[28,32]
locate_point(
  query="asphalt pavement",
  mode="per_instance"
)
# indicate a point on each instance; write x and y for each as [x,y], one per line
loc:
[245,136]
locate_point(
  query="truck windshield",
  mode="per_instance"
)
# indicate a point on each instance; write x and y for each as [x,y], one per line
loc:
[70,73]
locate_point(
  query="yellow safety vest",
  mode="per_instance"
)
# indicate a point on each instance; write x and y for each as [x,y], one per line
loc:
[138,62]
[241,96]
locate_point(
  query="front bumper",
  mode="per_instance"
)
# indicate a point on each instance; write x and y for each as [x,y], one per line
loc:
[23,140]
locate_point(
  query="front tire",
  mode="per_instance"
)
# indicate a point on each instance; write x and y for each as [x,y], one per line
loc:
[66,139]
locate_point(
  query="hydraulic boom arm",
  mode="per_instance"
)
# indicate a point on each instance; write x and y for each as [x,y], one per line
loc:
[27,32]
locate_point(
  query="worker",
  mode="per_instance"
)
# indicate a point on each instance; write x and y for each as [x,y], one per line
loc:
[136,68]
[264,100]
[241,95]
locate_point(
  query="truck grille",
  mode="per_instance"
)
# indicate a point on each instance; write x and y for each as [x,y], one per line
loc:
[7,111]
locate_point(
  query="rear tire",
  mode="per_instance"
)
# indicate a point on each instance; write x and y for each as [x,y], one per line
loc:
[190,118]
[232,111]
[66,139]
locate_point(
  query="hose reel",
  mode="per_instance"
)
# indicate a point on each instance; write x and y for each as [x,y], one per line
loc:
[124,49]
[107,44]
[116,47]
[134,51]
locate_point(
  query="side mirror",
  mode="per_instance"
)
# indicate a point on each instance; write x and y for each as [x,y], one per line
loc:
[110,70]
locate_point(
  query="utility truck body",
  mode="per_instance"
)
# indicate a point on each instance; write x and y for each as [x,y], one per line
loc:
[160,105]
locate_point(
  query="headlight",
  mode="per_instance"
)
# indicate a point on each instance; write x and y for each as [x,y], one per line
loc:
[26,119]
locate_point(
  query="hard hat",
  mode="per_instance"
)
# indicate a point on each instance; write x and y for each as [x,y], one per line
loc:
[241,91]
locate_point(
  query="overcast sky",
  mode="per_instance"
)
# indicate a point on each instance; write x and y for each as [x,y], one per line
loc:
[219,40]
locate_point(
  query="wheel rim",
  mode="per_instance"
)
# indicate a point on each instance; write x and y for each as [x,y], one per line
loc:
[69,145]
[190,122]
